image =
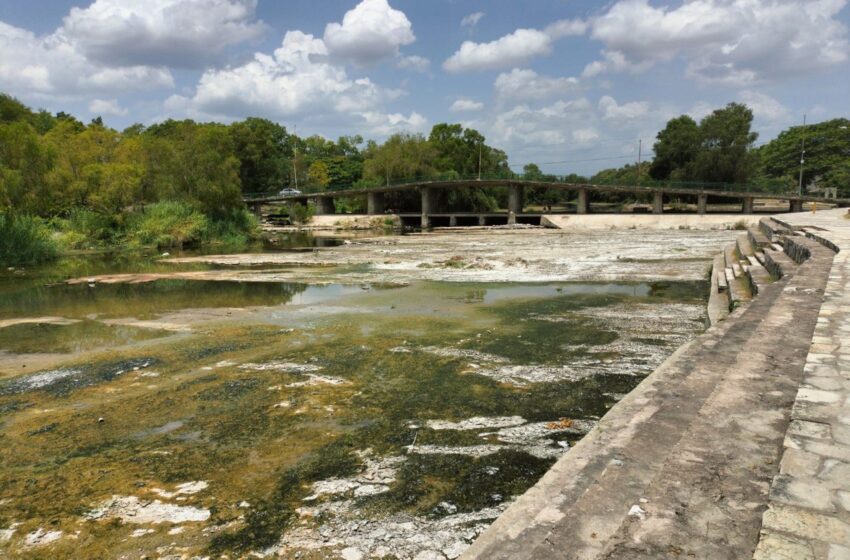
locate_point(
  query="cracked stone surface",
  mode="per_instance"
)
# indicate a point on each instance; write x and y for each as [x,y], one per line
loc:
[809,510]
[688,464]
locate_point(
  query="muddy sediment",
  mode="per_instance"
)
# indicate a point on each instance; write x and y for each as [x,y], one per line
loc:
[384,398]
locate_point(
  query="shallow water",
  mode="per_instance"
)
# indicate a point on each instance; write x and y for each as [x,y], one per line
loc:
[388,416]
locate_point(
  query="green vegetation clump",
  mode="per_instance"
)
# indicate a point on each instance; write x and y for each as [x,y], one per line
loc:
[24,240]
[168,224]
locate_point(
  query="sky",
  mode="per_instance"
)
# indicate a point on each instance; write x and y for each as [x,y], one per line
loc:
[572,85]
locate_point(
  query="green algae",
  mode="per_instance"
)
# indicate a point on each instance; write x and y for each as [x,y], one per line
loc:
[62,461]
[74,337]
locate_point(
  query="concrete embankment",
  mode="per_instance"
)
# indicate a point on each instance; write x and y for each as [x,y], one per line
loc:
[683,465]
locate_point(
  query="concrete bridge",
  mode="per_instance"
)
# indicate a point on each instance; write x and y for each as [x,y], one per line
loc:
[430,211]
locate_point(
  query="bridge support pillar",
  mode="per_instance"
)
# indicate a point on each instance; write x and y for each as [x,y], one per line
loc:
[453,221]
[796,205]
[747,205]
[516,200]
[324,205]
[702,202]
[375,203]
[429,205]
[657,202]
[582,205]
[482,221]
[256,209]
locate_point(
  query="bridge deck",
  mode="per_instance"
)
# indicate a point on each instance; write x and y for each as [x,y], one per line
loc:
[590,187]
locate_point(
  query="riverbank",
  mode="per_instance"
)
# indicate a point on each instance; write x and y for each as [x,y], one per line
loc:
[683,464]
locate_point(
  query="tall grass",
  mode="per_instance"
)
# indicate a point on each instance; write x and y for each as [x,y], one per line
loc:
[167,225]
[24,240]
[179,225]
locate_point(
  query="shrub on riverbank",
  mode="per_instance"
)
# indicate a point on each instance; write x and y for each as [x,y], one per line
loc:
[167,225]
[175,224]
[24,240]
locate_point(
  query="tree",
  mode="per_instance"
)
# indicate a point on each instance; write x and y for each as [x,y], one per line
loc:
[317,176]
[531,172]
[827,154]
[402,156]
[264,150]
[725,143]
[676,148]
[460,150]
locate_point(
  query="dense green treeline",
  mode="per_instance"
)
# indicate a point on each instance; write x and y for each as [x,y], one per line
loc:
[68,185]
[721,148]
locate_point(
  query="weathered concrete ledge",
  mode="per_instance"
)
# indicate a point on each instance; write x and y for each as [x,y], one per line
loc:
[808,517]
[683,465]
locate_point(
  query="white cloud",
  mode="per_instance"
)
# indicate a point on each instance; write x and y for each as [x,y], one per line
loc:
[609,109]
[553,125]
[612,61]
[461,105]
[413,62]
[369,32]
[51,66]
[383,124]
[471,20]
[296,79]
[528,84]
[765,107]
[732,42]
[176,33]
[511,50]
[106,107]
[566,28]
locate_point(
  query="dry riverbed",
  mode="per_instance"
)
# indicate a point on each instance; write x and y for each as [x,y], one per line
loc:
[385,398]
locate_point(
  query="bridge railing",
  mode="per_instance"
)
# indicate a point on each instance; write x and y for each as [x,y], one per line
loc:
[770,187]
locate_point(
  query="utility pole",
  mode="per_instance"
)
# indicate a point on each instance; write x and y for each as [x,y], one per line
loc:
[640,153]
[802,155]
[479,161]
[295,156]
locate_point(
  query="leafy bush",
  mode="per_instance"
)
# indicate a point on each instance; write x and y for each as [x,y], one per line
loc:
[301,214]
[235,229]
[24,240]
[85,229]
[168,224]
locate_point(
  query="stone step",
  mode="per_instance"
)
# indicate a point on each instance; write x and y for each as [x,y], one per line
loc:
[778,263]
[760,257]
[722,283]
[745,247]
[730,255]
[737,270]
[758,275]
[777,247]
[681,466]
[757,239]
[718,298]
[772,229]
[739,292]
[707,500]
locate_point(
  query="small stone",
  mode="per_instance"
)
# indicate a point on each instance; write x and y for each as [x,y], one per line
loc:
[351,553]
[637,511]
